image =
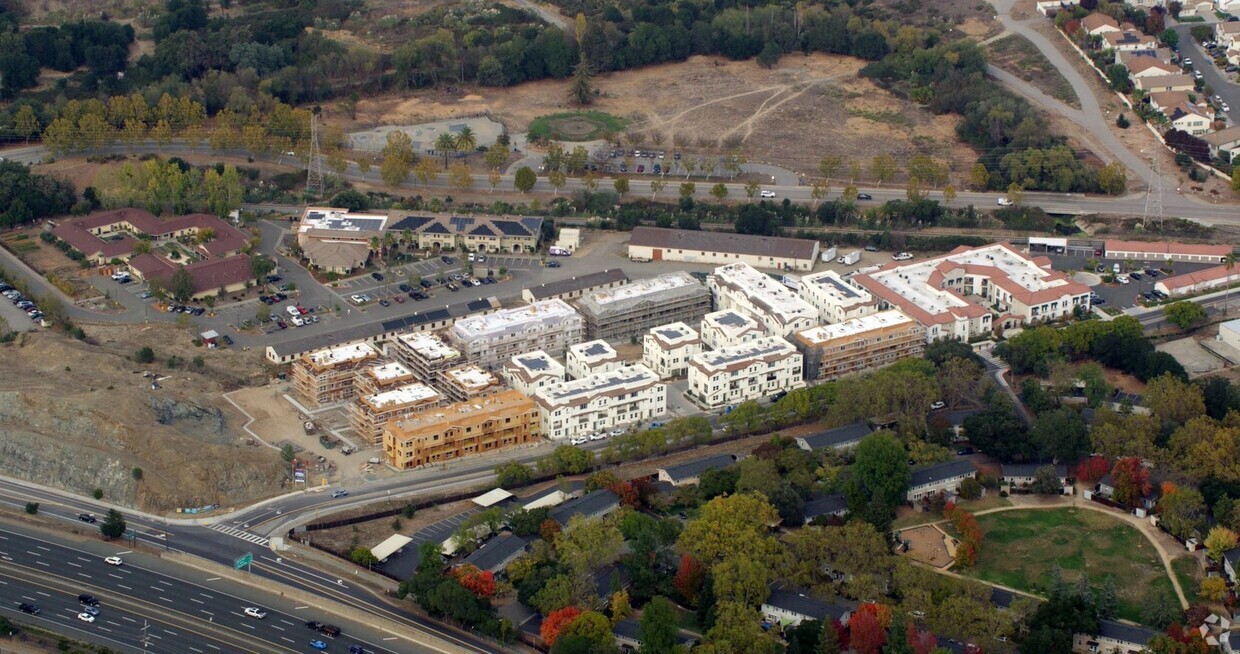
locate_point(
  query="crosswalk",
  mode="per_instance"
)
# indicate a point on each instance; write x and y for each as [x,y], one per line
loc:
[243,535]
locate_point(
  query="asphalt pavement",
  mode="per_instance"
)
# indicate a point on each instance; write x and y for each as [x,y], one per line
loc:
[1218,80]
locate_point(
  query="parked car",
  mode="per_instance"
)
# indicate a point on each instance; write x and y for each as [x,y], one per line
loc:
[578,440]
[1135,275]
[426,283]
[447,260]
[384,303]
[937,404]
[553,264]
[377,276]
[404,288]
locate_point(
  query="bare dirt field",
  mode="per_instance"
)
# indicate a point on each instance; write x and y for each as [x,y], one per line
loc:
[926,545]
[1019,56]
[793,114]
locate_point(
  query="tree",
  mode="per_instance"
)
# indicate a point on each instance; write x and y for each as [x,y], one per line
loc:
[363,166]
[587,544]
[181,284]
[525,179]
[979,177]
[1061,435]
[512,474]
[1173,400]
[658,626]
[829,165]
[427,171]
[866,635]
[1131,481]
[363,556]
[1016,193]
[737,629]
[656,187]
[445,143]
[729,526]
[1219,540]
[556,622]
[26,122]
[689,577]
[1184,313]
[1182,512]
[1108,599]
[459,176]
[398,158]
[113,525]
[883,168]
[1213,589]
[145,355]
[1113,178]
[497,155]
[1046,481]
[568,459]
[466,141]
[719,191]
[751,189]
[558,179]
[687,189]
[880,478]
[949,194]
[621,185]
[580,89]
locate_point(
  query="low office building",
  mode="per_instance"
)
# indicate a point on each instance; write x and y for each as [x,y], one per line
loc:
[425,354]
[533,370]
[694,246]
[739,286]
[601,402]
[941,478]
[468,383]
[729,328]
[731,375]
[835,298]
[585,359]
[207,277]
[666,350]
[691,472]
[327,375]
[858,344]
[337,240]
[506,419]
[575,287]
[489,341]
[631,309]
[369,414]
[1159,252]
[381,377]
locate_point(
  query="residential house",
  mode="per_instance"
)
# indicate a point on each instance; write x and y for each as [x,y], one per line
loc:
[944,477]
[1227,33]
[1224,144]
[1230,642]
[1114,638]
[1129,40]
[1156,83]
[789,608]
[626,633]
[1190,118]
[1231,564]
[1097,24]
[594,505]
[835,505]
[1144,65]
[1023,474]
[691,472]
[497,553]
[838,438]
[1164,101]
[1164,55]
[1106,488]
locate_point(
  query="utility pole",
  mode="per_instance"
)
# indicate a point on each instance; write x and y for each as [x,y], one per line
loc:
[314,164]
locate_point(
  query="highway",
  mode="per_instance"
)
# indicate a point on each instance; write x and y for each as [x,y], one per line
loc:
[172,608]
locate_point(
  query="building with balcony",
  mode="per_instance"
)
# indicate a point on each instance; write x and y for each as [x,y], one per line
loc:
[506,419]
[666,350]
[740,287]
[533,370]
[469,382]
[425,354]
[327,375]
[585,359]
[382,377]
[368,414]
[728,328]
[631,309]
[835,298]
[601,402]
[873,341]
[490,340]
[731,375]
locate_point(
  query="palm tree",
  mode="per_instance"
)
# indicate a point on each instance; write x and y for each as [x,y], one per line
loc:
[375,244]
[445,143]
[466,141]
[1229,262]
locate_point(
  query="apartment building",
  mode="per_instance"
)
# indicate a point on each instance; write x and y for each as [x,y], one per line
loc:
[601,402]
[731,375]
[327,375]
[478,233]
[631,309]
[368,414]
[976,291]
[585,359]
[728,328]
[381,377]
[832,351]
[490,340]
[533,370]
[739,286]
[666,350]
[835,298]
[425,354]
[469,382]
[506,419]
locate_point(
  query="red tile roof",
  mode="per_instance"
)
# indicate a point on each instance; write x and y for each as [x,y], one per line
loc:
[207,275]
[1163,247]
[1191,279]
[228,239]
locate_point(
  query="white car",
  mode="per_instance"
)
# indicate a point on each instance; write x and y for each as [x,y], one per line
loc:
[255,612]
[768,194]
[357,299]
[86,617]
[1004,202]
[939,404]
[578,440]
[114,560]
[1225,107]
[902,256]
[598,437]
[1123,279]
[617,432]
[1186,62]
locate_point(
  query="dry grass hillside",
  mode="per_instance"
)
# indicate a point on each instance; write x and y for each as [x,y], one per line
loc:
[79,416]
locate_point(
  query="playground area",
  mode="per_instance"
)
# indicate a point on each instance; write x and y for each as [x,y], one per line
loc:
[929,545]
[423,135]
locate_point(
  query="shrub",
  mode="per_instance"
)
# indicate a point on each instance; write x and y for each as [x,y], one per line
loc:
[32,508]
[145,355]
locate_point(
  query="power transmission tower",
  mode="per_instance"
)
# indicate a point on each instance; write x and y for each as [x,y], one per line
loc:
[1154,197]
[314,164]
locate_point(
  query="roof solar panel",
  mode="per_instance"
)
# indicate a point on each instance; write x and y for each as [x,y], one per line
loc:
[478,305]
[671,333]
[534,363]
[746,353]
[596,349]
[532,223]
[461,223]
[732,320]
[511,228]
[437,228]
[843,289]
[482,230]
[412,223]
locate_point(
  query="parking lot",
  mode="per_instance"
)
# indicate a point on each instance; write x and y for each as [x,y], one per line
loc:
[1122,296]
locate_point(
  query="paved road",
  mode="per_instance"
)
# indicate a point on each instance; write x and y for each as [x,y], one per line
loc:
[1214,78]
[183,609]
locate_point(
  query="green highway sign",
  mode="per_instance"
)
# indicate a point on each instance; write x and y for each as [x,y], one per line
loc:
[243,561]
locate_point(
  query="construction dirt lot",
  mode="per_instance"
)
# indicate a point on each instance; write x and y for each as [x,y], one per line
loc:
[83,416]
[793,114]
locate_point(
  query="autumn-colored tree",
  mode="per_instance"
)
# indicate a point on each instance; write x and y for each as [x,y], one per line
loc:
[922,641]
[689,578]
[1092,469]
[628,494]
[865,634]
[548,530]
[1213,589]
[479,582]
[557,622]
[1131,481]
[1219,540]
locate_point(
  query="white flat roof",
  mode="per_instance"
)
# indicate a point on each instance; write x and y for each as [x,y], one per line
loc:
[854,326]
[492,497]
[389,546]
[765,293]
[730,322]
[674,334]
[643,287]
[389,370]
[753,350]
[830,284]
[543,313]
[592,351]
[330,356]
[428,345]
[401,396]
[471,376]
[341,220]
[634,377]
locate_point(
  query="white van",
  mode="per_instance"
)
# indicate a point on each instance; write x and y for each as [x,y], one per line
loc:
[293,310]
[1115,269]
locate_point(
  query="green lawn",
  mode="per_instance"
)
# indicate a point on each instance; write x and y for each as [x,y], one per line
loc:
[1188,571]
[1021,548]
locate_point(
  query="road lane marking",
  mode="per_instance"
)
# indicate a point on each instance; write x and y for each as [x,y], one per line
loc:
[76,565]
[298,608]
[277,627]
[213,579]
[194,648]
[195,599]
[40,547]
[101,628]
[156,588]
[125,617]
[214,647]
[115,576]
[124,586]
[161,581]
[247,625]
[171,632]
[286,638]
[39,592]
[205,611]
[164,599]
[83,574]
[206,595]
[32,553]
[42,563]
